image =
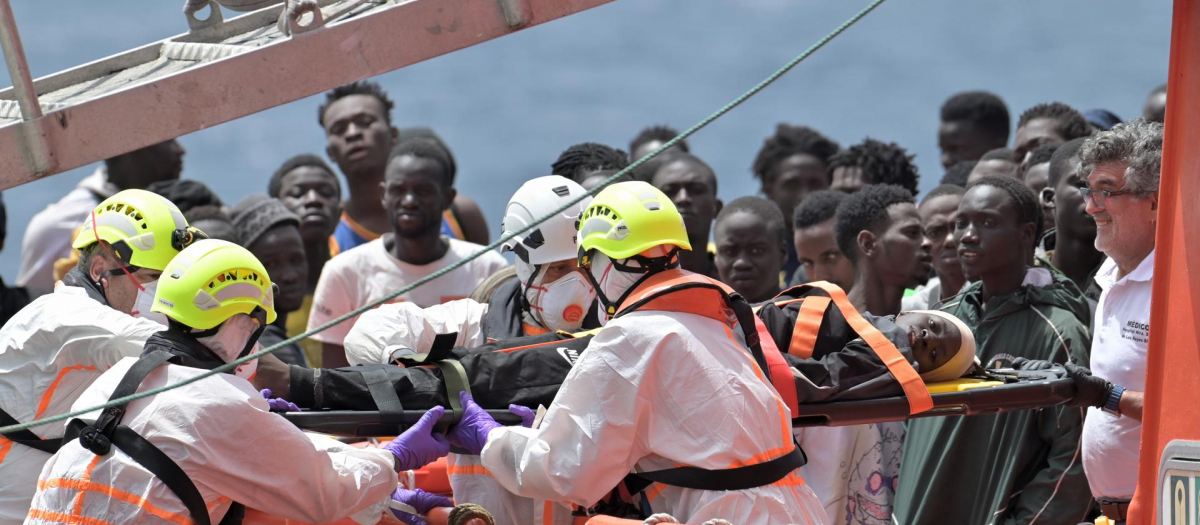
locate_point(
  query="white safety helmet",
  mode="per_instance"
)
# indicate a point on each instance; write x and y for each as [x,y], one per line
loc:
[554,239]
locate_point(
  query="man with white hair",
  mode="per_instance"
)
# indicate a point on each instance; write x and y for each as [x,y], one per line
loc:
[1121,167]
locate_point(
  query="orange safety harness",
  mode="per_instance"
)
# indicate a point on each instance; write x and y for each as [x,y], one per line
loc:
[676,290]
[808,323]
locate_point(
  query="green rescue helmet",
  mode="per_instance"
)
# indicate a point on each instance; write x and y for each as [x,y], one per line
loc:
[212,281]
[143,229]
[628,218]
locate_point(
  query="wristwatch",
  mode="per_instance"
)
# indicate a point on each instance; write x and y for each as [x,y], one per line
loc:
[1113,404]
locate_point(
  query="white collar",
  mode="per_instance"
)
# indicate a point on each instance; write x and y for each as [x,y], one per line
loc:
[1106,276]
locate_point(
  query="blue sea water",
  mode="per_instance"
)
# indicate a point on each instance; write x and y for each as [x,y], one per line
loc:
[509,106]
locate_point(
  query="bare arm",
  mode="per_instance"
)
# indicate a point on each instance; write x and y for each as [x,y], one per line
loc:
[1130,405]
[333,356]
[273,374]
[470,218]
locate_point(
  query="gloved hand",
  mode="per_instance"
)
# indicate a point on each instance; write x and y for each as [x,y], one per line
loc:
[527,414]
[472,430]
[419,445]
[420,500]
[1021,363]
[1090,391]
[278,404]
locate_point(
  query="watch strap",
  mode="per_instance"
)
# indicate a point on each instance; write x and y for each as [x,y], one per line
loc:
[1113,404]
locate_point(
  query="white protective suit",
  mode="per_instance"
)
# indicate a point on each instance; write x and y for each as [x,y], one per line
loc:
[50,352]
[381,331]
[220,432]
[655,390]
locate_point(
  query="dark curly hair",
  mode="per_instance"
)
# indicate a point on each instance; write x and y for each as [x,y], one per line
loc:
[983,109]
[275,185]
[863,211]
[1060,162]
[1029,210]
[1039,155]
[362,87]
[426,148]
[959,173]
[791,140]
[1071,124]
[580,159]
[817,207]
[657,133]
[944,189]
[759,207]
[882,163]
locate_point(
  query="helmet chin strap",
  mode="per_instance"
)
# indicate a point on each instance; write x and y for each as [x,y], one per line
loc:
[258,314]
[525,287]
[648,266]
[114,271]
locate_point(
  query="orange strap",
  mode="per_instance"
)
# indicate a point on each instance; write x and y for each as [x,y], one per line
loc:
[777,367]
[914,389]
[808,324]
[705,301]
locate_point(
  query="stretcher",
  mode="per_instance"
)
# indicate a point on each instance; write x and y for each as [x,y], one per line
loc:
[998,391]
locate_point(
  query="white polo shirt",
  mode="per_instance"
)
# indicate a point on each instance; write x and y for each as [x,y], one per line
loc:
[1119,351]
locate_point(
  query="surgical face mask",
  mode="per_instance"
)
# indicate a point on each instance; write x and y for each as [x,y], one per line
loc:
[144,301]
[562,304]
[248,369]
[613,283]
[232,338]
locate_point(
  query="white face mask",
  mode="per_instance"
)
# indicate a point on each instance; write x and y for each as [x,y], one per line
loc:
[231,338]
[144,301]
[613,282]
[562,304]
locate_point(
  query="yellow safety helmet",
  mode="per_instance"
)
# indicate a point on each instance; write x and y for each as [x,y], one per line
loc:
[144,229]
[211,281]
[628,218]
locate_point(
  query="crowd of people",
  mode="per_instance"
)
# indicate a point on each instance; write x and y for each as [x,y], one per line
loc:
[1031,253]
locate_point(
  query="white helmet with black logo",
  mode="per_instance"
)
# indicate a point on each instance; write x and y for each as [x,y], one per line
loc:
[554,239]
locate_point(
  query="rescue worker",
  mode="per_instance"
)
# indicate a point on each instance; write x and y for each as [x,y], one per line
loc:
[548,294]
[660,386]
[51,350]
[188,453]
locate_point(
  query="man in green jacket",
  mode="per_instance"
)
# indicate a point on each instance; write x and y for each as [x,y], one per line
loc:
[1019,467]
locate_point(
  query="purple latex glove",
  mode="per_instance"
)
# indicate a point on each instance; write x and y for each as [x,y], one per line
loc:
[420,500]
[419,445]
[471,431]
[527,414]
[278,404]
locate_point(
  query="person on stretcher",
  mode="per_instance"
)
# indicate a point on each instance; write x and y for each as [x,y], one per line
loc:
[842,367]
[929,339]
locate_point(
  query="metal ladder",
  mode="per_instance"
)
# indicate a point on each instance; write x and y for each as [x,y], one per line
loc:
[222,69]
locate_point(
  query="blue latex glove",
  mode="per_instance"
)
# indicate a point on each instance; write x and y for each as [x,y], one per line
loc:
[278,404]
[420,500]
[419,445]
[471,431]
[527,414]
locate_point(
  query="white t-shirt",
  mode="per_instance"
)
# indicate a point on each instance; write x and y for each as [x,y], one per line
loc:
[368,272]
[1119,351]
[48,236]
[853,469]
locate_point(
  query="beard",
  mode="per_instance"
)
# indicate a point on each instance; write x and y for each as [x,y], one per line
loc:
[427,225]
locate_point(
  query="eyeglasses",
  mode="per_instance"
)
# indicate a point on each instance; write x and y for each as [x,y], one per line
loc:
[1090,194]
